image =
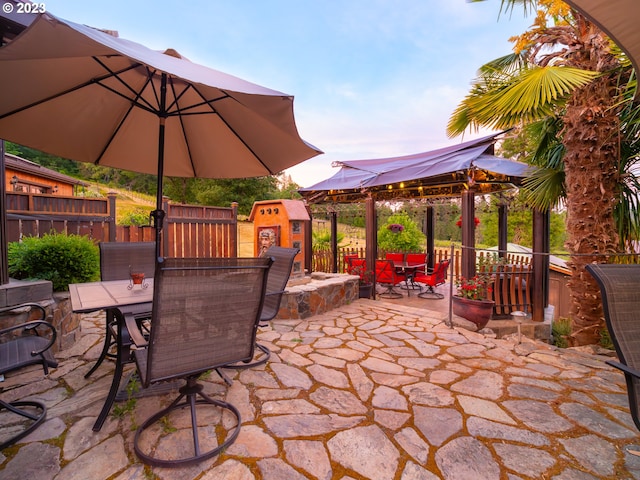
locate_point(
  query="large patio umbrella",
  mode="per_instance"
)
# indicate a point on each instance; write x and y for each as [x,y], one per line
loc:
[84,94]
[618,19]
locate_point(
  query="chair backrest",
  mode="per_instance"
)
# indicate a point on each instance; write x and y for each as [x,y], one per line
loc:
[417,259]
[357,266]
[385,272]
[619,287]
[347,258]
[440,272]
[394,257]
[277,280]
[205,314]
[117,257]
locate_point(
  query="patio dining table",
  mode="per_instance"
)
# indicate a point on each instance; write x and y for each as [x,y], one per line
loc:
[408,270]
[111,296]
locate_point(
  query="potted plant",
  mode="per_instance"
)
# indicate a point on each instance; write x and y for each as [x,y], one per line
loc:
[471,301]
[365,282]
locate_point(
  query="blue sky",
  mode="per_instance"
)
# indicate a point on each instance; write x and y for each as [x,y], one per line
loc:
[371,79]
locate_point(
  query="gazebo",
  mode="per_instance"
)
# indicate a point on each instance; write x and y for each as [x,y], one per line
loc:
[463,170]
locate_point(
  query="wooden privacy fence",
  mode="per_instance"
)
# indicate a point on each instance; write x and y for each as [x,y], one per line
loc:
[189,230]
[31,214]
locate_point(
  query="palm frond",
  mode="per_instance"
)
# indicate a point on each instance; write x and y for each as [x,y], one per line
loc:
[544,188]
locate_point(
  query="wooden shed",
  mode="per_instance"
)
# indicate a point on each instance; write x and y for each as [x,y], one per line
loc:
[281,222]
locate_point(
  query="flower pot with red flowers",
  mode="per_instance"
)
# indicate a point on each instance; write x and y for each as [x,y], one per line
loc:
[476,221]
[365,283]
[472,300]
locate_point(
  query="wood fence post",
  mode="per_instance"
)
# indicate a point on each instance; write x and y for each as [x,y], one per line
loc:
[4,264]
[111,221]
[234,230]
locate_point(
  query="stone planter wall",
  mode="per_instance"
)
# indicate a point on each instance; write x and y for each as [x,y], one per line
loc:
[324,292]
[58,308]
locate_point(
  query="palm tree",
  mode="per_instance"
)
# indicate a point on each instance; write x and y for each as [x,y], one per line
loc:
[566,70]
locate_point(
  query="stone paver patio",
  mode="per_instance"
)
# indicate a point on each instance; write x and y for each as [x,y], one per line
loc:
[371,390]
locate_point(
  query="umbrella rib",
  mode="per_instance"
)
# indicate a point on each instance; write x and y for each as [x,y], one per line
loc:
[184,132]
[232,130]
[138,97]
[113,134]
[93,81]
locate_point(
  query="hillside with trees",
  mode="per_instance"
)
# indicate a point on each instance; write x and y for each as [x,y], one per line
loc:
[197,191]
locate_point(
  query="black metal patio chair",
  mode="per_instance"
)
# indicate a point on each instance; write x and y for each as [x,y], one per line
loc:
[619,286]
[117,261]
[205,315]
[279,275]
[24,344]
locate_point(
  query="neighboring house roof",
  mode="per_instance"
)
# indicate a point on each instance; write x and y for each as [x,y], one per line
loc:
[26,166]
[555,263]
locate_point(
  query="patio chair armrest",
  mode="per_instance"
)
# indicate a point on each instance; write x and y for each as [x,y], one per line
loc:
[624,368]
[134,332]
[32,326]
[37,306]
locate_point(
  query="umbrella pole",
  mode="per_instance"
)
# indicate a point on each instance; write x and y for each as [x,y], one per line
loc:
[158,214]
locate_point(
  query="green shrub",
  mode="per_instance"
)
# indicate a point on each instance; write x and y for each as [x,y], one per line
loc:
[400,234]
[605,339]
[136,216]
[561,329]
[61,259]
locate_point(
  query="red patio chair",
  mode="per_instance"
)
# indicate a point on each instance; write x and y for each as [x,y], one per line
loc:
[347,258]
[437,277]
[386,276]
[398,260]
[419,261]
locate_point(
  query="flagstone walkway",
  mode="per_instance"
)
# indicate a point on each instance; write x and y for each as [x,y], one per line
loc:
[371,390]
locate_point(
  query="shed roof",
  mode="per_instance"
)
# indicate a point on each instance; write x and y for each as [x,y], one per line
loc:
[295,209]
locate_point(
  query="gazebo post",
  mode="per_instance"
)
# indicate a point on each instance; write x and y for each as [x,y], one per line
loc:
[334,240]
[502,229]
[468,262]
[540,275]
[371,242]
[430,234]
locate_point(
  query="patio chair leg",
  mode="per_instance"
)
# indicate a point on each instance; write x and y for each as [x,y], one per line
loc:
[390,293]
[431,294]
[191,396]
[37,418]
[109,341]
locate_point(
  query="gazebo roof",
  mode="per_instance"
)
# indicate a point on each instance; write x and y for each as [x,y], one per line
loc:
[444,172]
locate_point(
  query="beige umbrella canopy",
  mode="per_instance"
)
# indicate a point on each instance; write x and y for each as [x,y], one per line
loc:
[80,93]
[617,18]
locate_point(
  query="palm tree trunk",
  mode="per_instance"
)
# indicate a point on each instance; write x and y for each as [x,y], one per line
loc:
[591,137]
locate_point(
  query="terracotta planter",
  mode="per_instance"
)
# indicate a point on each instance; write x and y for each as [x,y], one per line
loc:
[137,278]
[476,311]
[365,290]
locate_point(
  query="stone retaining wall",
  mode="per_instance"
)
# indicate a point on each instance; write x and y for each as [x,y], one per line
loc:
[324,292]
[58,310]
